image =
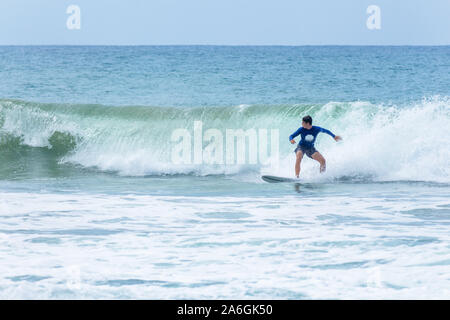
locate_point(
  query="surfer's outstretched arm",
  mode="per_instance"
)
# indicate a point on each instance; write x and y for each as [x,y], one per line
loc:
[296,133]
[335,137]
[327,132]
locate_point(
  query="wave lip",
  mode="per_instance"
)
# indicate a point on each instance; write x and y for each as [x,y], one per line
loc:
[382,141]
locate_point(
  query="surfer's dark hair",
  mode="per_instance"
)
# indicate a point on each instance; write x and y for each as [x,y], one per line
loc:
[307,119]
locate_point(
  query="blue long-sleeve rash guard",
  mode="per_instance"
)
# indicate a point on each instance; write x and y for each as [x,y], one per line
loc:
[309,135]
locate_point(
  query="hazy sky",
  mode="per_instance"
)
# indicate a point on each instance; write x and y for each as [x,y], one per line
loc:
[240,22]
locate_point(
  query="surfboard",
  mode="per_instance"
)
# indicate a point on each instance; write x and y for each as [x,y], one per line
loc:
[275,179]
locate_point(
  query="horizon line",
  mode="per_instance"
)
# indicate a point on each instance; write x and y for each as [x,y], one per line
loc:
[226,45]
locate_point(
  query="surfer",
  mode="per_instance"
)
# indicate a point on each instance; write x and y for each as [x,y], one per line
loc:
[308,134]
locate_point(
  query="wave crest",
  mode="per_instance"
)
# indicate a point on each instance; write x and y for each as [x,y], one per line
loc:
[383,141]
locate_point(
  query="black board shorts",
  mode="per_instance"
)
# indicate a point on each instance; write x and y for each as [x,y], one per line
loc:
[309,151]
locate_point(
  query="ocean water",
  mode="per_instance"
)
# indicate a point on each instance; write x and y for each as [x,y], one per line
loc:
[94,205]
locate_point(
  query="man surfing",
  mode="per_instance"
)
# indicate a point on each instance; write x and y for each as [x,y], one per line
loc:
[308,134]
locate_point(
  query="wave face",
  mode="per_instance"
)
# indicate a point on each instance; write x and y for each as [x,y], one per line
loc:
[381,141]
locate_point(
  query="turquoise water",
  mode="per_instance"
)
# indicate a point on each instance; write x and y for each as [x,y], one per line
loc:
[223,75]
[92,204]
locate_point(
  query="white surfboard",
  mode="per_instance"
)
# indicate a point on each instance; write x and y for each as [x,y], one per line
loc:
[275,179]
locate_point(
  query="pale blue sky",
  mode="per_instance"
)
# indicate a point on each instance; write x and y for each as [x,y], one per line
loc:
[228,22]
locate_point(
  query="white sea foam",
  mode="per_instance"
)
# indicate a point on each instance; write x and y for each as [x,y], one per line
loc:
[173,247]
[383,142]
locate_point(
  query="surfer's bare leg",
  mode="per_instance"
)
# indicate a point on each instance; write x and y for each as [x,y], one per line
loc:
[299,158]
[318,157]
